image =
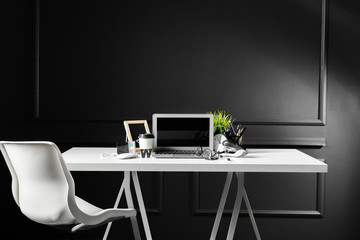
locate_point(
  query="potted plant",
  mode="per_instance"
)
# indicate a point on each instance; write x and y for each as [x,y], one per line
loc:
[221,121]
[224,132]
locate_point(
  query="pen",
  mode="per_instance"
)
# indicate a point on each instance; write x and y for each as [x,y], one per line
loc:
[232,128]
[240,134]
[227,158]
[238,127]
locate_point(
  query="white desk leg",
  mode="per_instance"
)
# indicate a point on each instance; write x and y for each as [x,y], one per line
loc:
[130,204]
[221,206]
[253,222]
[115,206]
[237,205]
[141,205]
[240,194]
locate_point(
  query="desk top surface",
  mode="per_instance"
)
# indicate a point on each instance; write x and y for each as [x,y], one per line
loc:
[257,160]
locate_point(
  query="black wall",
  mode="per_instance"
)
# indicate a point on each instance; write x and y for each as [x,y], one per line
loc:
[260,62]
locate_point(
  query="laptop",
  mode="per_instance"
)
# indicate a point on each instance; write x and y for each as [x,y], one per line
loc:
[180,135]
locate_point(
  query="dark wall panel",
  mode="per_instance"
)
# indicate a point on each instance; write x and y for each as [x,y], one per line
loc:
[119,60]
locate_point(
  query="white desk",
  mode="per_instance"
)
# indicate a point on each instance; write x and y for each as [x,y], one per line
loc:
[258,160]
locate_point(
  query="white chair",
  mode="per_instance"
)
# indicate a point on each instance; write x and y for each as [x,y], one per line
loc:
[44,189]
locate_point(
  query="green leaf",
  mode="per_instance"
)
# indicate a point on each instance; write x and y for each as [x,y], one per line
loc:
[221,120]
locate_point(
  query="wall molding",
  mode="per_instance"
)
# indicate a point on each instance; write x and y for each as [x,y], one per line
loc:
[285,141]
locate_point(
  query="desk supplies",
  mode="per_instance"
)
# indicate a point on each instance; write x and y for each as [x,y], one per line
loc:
[132,146]
[121,148]
[228,145]
[134,128]
[231,141]
[232,128]
[239,135]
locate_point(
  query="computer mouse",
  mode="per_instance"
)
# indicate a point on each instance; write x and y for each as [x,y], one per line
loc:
[126,155]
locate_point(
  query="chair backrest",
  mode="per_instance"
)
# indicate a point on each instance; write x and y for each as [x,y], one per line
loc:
[41,183]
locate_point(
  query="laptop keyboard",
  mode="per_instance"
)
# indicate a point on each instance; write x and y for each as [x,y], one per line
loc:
[177,154]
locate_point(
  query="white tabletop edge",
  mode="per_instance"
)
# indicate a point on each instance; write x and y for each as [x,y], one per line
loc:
[258,160]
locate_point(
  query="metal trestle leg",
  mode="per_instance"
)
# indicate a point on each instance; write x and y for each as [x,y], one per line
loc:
[240,194]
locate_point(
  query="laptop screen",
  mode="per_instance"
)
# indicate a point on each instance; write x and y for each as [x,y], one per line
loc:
[183,131]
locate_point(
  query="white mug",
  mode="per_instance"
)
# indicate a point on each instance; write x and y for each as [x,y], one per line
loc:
[146,144]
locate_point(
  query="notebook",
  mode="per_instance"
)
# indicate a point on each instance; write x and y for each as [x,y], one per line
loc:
[180,135]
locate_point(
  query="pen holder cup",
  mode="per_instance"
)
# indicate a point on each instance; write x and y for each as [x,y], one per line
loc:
[237,141]
[236,137]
